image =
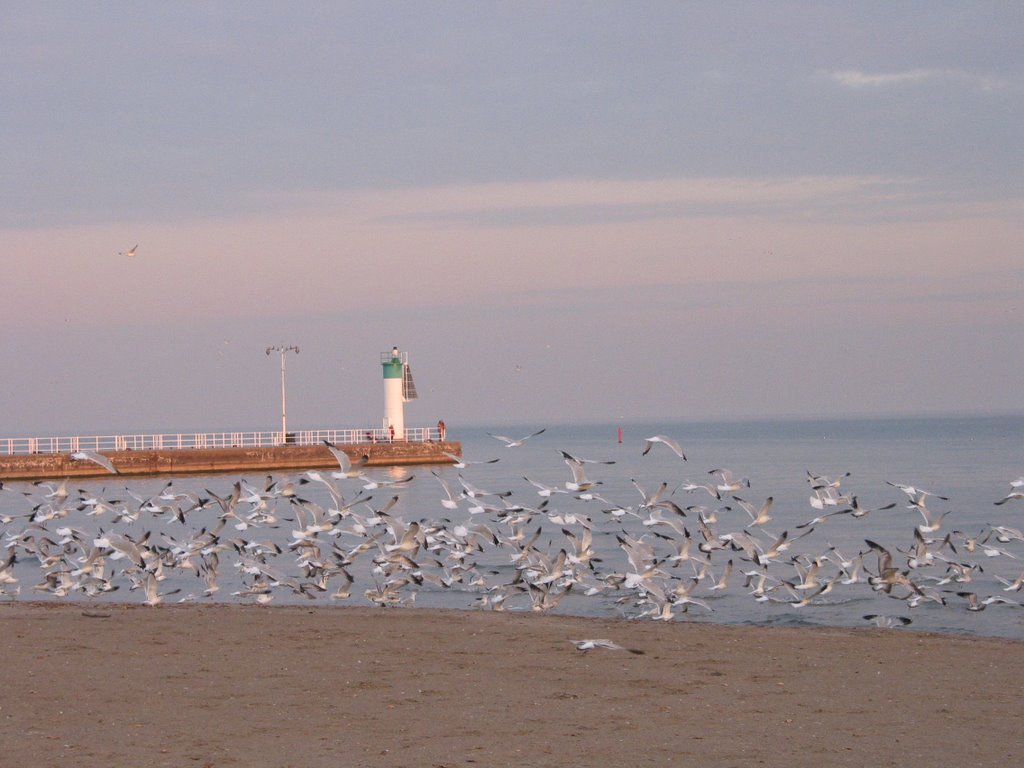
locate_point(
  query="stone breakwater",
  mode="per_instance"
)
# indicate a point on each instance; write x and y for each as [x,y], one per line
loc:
[191,461]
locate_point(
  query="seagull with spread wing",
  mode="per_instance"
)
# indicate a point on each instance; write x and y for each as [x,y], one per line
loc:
[511,442]
[673,444]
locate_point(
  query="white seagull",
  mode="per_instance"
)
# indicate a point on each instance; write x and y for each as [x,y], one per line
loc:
[887,622]
[460,463]
[512,442]
[348,468]
[728,482]
[758,515]
[452,501]
[590,644]
[130,252]
[1015,495]
[96,458]
[673,444]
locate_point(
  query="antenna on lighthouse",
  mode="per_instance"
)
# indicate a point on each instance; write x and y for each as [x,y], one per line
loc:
[408,385]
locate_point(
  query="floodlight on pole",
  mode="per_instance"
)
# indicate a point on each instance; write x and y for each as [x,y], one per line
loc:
[284,408]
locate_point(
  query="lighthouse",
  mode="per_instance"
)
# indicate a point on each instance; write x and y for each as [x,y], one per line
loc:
[398,389]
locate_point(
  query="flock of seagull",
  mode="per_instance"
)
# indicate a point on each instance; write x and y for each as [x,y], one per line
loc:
[315,534]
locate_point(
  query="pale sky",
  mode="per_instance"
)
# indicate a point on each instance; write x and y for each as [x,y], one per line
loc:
[585,211]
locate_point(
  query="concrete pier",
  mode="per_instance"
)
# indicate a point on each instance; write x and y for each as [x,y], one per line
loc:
[44,466]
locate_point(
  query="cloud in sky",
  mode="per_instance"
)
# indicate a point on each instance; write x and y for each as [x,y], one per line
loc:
[438,245]
[853,78]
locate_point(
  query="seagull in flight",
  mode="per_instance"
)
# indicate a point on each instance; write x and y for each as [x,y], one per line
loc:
[887,622]
[673,444]
[915,494]
[460,463]
[452,501]
[130,252]
[96,458]
[570,459]
[974,603]
[1016,494]
[590,644]
[758,515]
[348,468]
[512,442]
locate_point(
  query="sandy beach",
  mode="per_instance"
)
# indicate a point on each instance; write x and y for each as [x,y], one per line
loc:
[293,686]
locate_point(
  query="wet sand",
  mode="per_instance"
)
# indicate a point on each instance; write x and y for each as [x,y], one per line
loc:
[223,685]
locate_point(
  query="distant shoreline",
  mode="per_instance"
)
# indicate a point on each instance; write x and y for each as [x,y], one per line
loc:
[757,419]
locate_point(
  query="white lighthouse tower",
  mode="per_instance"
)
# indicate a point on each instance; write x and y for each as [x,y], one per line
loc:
[398,389]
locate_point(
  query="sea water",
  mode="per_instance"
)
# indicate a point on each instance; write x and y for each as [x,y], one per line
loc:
[969,460]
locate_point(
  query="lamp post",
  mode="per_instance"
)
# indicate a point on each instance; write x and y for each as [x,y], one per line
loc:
[284,410]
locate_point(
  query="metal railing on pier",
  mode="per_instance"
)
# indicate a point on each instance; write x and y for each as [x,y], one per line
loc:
[161,442]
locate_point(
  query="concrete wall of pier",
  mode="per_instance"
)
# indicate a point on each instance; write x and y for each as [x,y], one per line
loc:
[43,466]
